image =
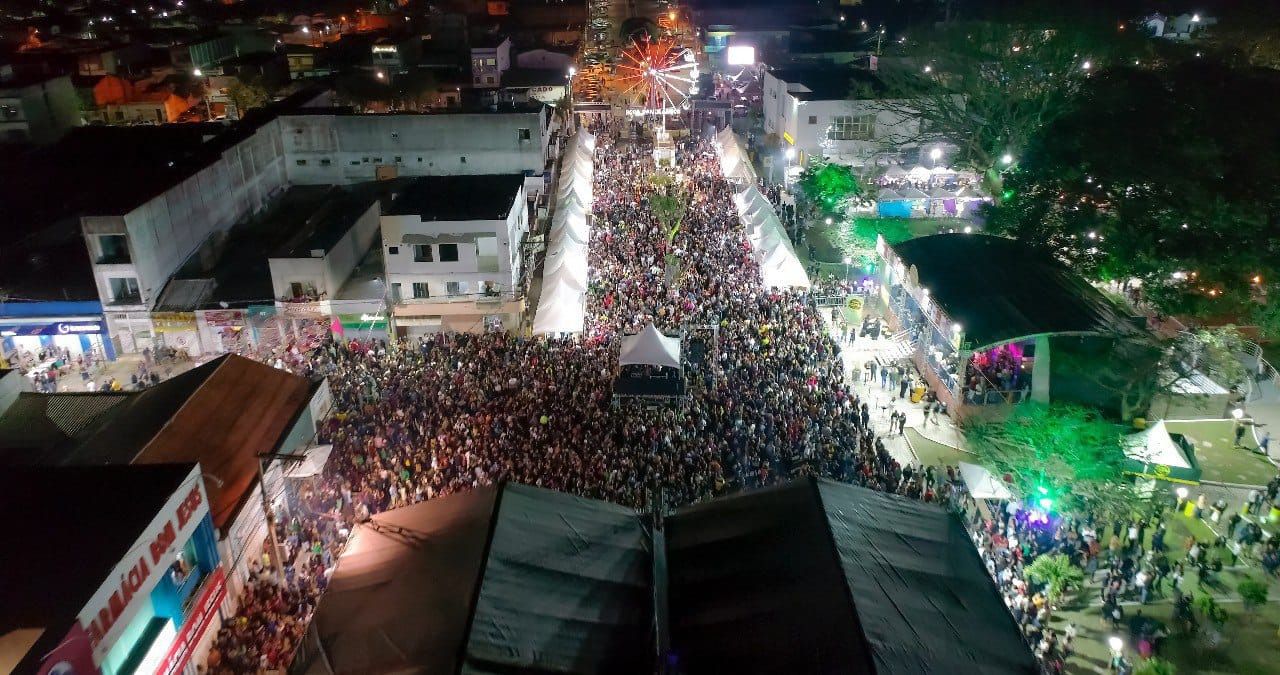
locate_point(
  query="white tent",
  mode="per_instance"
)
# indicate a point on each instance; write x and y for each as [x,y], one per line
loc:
[895,172]
[779,266]
[563,277]
[919,173]
[1153,445]
[561,310]
[576,264]
[650,347]
[888,195]
[312,464]
[983,485]
[573,228]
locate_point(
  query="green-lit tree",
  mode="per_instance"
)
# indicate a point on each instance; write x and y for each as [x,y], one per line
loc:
[1066,454]
[1159,176]
[1155,666]
[1057,573]
[830,187]
[1253,593]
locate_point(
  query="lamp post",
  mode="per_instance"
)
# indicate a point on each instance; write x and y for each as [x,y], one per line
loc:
[1117,652]
[847,262]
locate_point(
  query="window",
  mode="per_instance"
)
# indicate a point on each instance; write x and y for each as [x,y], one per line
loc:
[114,247]
[490,62]
[523,134]
[448,253]
[395,292]
[422,253]
[377,160]
[355,162]
[325,162]
[125,290]
[419,160]
[420,290]
[463,159]
[852,128]
[453,288]
[398,160]
[813,119]
[364,160]
[393,250]
[488,79]
[302,162]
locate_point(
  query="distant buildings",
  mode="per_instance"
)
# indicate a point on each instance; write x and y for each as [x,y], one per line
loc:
[36,108]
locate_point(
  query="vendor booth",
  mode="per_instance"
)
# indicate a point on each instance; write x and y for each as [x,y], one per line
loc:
[1157,454]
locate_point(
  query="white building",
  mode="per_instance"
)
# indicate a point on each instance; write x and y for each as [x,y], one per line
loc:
[818,114]
[36,108]
[452,251]
[490,58]
[1181,27]
[183,187]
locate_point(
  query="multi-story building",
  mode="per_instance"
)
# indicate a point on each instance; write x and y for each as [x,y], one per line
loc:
[35,107]
[452,251]
[490,58]
[819,112]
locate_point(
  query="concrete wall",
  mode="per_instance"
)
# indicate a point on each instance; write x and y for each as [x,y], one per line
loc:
[327,274]
[44,111]
[338,149]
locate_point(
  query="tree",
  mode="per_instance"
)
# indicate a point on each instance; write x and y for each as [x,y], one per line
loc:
[1057,573]
[1064,453]
[1155,666]
[1253,593]
[831,187]
[1249,33]
[1158,176]
[987,87]
[246,96]
[361,89]
[1135,368]
[412,87]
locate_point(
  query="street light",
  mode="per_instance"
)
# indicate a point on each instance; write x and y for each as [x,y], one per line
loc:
[1237,413]
[847,262]
[1086,65]
[197,73]
[1006,159]
[790,154]
[828,221]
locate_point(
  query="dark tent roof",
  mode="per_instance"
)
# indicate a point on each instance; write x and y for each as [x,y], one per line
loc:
[819,577]
[999,289]
[509,579]
[809,577]
[36,422]
[755,587]
[566,588]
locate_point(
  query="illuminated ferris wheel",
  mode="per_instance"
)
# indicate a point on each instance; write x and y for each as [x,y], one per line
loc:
[662,73]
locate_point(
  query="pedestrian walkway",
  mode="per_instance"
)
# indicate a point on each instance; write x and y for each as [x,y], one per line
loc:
[121,370]
[885,401]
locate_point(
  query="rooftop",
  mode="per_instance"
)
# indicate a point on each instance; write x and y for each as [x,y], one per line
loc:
[828,83]
[533,77]
[456,198]
[487,41]
[321,223]
[999,289]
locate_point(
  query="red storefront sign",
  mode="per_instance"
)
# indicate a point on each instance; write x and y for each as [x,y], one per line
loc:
[72,656]
[202,612]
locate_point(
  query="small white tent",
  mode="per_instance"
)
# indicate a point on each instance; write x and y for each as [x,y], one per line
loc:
[650,347]
[983,485]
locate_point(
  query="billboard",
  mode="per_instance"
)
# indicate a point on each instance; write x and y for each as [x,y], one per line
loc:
[741,55]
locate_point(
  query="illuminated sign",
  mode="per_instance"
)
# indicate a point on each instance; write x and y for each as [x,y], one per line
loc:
[741,55]
[787,137]
[384,49]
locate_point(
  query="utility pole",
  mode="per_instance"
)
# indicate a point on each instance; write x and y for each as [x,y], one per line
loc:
[277,557]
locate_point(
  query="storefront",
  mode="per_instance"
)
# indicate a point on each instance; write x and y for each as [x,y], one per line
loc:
[224,330]
[154,611]
[176,330]
[30,340]
[361,326]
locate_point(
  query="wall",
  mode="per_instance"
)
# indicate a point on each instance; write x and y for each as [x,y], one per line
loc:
[46,110]
[327,274]
[426,145]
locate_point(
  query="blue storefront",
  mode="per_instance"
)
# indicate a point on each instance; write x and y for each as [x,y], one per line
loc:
[29,328]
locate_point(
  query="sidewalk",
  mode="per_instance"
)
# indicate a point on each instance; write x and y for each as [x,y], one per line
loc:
[122,369]
[884,402]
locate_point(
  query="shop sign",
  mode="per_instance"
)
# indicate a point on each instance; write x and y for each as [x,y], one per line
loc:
[117,600]
[173,322]
[198,619]
[57,328]
[218,318]
[363,321]
[72,656]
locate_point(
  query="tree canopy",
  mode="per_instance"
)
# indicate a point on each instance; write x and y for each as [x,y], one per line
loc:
[830,186]
[1167,176]
[1069,450]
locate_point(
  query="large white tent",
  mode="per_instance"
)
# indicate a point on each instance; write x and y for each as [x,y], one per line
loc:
[779,266]
[982,484]
[561,307]
[734,161]
[650,347]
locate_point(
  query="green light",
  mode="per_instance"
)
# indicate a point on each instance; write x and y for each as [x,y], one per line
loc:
[1046,503]
[1043,490]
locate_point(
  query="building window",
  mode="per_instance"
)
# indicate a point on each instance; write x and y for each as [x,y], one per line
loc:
[124,290]
[395,292]
[422,253]
[325,162]
[115,249]
[488,79]
[420,290]
[398,160]
[454,288]
[523,134]
[393,250]
[813,119]
[463,159]
[448,253]
[301,162]
[355,162]
[419,160]
[852,128]
[377,160]
[491,62]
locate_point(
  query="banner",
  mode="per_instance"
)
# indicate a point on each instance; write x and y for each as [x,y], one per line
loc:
[57,328]
[198,619]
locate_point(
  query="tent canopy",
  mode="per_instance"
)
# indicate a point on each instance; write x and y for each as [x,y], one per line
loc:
[560,310]
[650,347]
[983,485]
[1156,453]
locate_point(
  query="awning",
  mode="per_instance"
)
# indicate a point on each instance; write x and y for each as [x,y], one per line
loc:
[982,484]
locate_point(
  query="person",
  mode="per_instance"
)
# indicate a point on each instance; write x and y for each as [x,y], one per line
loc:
[1239,434]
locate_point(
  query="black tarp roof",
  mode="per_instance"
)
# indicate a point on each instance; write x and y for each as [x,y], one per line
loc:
[809,577]
[999,289]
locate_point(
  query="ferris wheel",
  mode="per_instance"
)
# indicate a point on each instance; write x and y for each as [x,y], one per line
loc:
[664,74]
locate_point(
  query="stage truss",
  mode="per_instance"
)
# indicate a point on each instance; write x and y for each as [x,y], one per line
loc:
[659,75]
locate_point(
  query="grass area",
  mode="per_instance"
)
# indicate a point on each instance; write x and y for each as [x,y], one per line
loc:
[1249,646]
[829,244]
[933,453]
[1219,460]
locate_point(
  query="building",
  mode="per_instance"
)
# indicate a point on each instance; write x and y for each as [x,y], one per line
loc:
[982,316]
[1180,27]
[490,58]
[544,59]
[452,246]
[225,415]
[36,108]
[135,583]
[817,112]
[538,85]
[394,57]
[584,586]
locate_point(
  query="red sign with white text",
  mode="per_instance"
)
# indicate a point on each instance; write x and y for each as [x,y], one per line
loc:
[202,612]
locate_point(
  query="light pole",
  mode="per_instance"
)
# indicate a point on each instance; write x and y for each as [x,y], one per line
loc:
[1117,652]
[847,262]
